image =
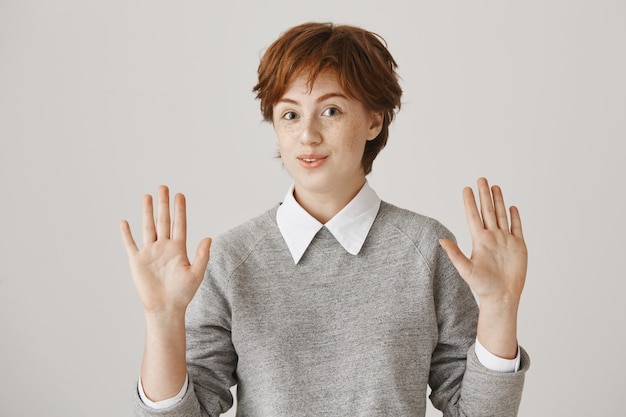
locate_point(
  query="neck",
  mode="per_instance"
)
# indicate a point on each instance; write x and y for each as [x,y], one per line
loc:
[323,206]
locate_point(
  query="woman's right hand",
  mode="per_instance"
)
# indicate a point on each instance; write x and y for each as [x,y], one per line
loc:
[163,276]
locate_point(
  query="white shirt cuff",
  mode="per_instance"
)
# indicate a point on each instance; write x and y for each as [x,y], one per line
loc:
[159,405]
[496,363]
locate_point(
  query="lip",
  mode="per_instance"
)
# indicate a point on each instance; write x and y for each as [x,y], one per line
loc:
[311,160]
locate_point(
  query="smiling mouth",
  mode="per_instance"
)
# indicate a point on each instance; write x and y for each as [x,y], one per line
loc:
[311,158]
[312,161]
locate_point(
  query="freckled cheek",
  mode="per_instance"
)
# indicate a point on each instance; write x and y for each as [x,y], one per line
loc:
[357,139]
[283,135]
[286,130]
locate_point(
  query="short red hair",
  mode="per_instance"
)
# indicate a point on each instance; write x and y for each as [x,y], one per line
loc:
[366,71]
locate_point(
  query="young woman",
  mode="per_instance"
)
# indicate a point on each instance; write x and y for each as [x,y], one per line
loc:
[334,302]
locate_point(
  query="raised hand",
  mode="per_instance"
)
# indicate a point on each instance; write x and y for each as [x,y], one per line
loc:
[163,276]
[166,282]
[496,269]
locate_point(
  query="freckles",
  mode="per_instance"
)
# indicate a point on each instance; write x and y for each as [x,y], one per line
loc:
[357,143]
[283,133]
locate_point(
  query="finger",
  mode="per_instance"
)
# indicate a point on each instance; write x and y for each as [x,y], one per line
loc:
[498,202]
[149,233]
[201,259]
[127,238]
[179,230]
[516,223]
[472,215]
[163,216]
[458,259]
[486,204]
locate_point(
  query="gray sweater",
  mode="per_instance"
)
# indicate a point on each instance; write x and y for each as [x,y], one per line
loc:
[338,334]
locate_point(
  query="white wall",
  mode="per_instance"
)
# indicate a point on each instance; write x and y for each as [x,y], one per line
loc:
[100,102]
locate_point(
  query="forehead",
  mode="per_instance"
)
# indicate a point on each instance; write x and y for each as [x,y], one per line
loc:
[310,84]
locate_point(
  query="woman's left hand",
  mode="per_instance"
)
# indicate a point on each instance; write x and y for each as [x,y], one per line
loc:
[496,269]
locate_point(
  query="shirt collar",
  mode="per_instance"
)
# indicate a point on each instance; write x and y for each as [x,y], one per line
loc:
[350,226]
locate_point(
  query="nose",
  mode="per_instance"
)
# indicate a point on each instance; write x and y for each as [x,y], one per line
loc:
[310,133]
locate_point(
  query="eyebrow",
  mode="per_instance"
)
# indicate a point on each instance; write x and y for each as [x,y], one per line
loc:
[319,99]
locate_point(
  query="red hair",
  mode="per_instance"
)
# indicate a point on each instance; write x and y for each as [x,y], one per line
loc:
[365,68]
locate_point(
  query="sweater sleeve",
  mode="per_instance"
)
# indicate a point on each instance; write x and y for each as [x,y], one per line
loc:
[460,385]
[211,357]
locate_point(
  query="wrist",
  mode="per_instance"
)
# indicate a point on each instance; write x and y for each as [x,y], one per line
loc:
[497,328]
[500,304]
[167,319]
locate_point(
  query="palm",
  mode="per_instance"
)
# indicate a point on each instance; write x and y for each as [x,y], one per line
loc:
[161,271]
[495,258]
[497,265]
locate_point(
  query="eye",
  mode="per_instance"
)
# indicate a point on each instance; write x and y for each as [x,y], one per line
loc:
[289,115]
[331,111]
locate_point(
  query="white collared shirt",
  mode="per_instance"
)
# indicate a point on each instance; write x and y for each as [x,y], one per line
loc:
[350,226]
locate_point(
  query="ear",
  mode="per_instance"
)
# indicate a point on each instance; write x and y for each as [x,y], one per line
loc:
[376,125]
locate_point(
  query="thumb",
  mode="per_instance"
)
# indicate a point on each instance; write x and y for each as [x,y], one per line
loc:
[458,259]
[201,259]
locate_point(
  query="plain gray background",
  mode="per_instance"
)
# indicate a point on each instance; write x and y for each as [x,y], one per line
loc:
[100,102]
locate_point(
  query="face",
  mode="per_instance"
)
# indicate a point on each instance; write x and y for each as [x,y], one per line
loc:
[322,135]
